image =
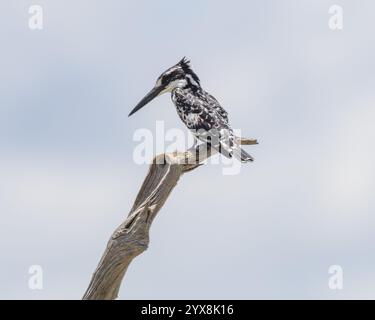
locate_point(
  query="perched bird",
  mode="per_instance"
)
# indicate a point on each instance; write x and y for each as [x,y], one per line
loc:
[199,110]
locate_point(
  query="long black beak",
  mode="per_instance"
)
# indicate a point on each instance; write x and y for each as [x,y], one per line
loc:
[151,95]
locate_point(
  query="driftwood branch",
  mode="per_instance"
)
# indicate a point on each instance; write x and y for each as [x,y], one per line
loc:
[131,238]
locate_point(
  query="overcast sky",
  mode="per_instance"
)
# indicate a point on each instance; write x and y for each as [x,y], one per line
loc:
[68,179]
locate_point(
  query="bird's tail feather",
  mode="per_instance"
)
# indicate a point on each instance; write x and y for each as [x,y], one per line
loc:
[242,155]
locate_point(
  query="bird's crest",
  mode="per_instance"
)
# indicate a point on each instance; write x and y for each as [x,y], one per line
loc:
[185,65]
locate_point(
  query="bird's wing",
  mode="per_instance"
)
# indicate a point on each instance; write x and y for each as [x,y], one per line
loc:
[207,120]
[212,113]
[217,107]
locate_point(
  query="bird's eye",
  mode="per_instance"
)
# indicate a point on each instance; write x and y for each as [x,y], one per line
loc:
[165,80]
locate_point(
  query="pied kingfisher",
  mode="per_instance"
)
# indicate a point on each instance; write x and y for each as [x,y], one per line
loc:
[199,110]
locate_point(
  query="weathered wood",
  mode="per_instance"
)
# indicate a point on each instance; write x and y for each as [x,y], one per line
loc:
[131,238]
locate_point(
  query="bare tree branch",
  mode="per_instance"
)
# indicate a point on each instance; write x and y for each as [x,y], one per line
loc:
[131,238]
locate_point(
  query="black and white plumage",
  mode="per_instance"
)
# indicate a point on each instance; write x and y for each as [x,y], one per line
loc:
[199,110]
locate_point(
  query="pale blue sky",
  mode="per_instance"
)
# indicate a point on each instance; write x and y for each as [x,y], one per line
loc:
[67,177]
